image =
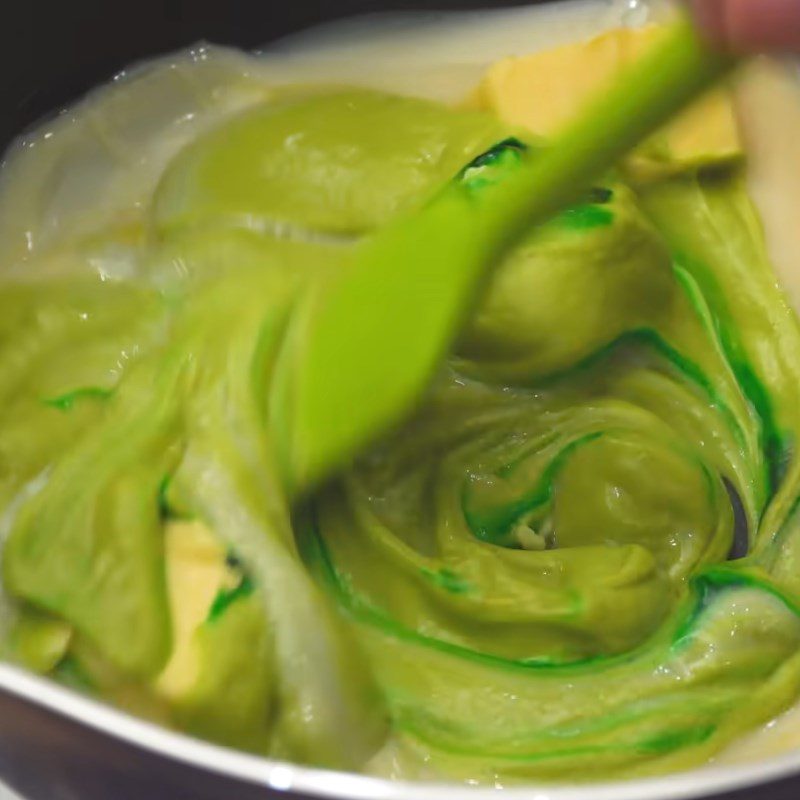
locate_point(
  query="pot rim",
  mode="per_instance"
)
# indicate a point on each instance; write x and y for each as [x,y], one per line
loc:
[283,776]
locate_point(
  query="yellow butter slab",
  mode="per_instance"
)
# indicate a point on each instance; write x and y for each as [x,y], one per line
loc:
[196,572]
[543,91]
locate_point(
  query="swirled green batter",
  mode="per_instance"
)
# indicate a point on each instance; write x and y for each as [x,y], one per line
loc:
[579,556]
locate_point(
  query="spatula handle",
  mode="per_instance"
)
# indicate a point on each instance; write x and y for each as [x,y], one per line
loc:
[645,97]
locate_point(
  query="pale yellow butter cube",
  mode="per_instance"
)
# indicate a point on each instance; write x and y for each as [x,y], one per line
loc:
[543,91]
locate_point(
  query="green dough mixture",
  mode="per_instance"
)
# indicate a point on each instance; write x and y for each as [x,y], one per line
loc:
[578,558]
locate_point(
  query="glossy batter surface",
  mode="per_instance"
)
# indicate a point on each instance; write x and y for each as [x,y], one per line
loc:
[576,559]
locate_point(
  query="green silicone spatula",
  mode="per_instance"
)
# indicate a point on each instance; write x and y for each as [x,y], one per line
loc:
[361,349]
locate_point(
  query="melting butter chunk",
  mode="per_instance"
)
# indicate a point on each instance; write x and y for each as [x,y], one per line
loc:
[543,92]
[219,679]
[196,572]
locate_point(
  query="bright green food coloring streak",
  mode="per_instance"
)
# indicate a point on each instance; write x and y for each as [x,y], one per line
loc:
[676,740]
[494,525]
[777,445]
[448,580]
[490,167]
[318,557]
[226,597]
[587,217]
[65,402]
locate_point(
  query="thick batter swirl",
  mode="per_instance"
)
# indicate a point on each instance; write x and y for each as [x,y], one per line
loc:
[577,559]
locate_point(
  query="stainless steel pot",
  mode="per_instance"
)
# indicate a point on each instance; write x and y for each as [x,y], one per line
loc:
[56,745]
